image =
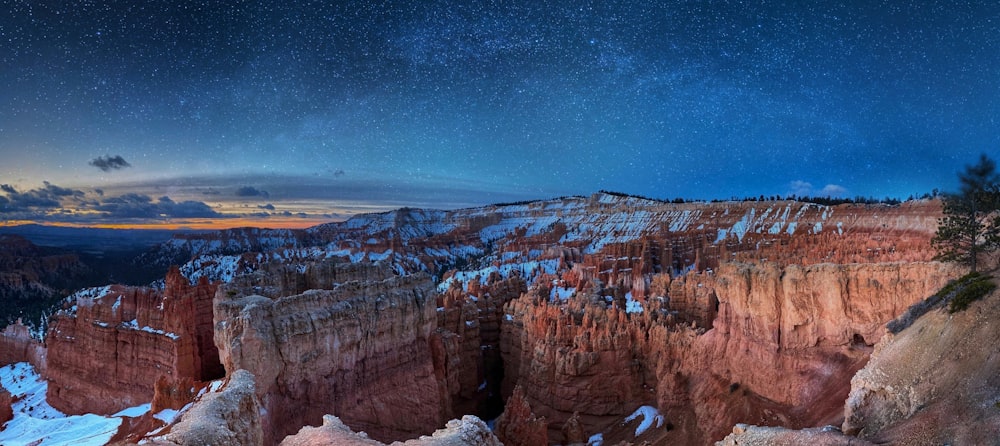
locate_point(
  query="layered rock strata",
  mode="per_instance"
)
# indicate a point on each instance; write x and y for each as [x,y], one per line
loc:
[360,350]
[811,325]
[469,431]
[114,343]
[17,345]
[230,417]
[935,382]
[6,411]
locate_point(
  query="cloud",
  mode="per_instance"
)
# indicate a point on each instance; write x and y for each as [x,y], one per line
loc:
[833,190]
[268,207]
[250,191]
[107,163]
[138,206]
[338,173]
[805,189]
[36,200]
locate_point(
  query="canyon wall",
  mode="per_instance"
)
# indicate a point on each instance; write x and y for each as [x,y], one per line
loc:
[107,349]
[360,350]
[812,326]
[706,314]
[935,382]
[17,345]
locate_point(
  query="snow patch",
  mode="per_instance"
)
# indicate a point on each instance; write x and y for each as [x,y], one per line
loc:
[632,305]
[35,422]
[595,440]
[649,415]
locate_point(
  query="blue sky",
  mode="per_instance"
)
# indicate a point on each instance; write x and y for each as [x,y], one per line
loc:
[332,109]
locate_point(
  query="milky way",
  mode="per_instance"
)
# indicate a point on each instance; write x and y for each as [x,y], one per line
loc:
[446,104]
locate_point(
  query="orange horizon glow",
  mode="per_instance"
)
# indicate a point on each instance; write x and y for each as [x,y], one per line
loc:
[194,224]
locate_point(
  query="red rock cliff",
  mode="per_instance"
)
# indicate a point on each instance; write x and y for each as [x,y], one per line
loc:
[782,349]
[360,351]
[116,342]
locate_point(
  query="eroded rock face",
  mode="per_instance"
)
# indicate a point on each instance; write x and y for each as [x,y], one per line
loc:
[17,345]
[935,382]
[360,350]
[744,435]
[116,342]
[519,426]
[469,431]
[6,412]
[230,417]
[809,325]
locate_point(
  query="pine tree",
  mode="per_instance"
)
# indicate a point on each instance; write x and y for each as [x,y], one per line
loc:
[971,223]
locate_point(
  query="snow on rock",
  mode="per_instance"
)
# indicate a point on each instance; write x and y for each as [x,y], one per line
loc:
[595,440]
[632,305]
[35,422]
[649,414]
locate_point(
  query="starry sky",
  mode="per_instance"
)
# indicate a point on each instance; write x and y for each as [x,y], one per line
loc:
[289,113]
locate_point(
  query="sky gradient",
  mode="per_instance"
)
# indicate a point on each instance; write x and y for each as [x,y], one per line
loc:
[292,113]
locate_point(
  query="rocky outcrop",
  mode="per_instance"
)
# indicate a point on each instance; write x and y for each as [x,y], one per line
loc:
[17,345]
[811,325]
[745,435]
[360,350]
[114,343]
[6,412]
[469,431]
[935,382]
[230,417]
[518,426]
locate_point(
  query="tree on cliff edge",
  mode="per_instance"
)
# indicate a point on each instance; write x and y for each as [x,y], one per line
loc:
[971,223]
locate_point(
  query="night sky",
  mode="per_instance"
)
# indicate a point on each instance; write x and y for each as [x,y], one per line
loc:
[285,112]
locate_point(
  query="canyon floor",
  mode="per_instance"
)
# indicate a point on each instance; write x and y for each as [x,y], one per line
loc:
[595,320]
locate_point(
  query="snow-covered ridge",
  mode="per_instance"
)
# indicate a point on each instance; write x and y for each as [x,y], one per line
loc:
[496,238]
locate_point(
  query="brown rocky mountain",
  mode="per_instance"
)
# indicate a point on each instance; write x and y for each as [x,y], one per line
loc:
[608,315]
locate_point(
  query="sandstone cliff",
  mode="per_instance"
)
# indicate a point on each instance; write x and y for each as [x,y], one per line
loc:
[695,315]
[6,412]
[469,431]
[108,349]
[360,350]
[17,345]
[936,382]
[813,326]
[229,417]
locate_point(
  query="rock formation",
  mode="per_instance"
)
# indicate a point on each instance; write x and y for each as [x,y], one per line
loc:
[17,345]
[811,325]
[469,431]
[936,382]
[574,312]
[360,350]
[745,435]
[108,349]
[518,425]
[230,417]
[6,412]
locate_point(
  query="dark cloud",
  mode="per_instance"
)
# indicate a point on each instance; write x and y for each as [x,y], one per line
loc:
[106,163]
[338,173]
[45,198]
[138,206]
[211,192]
[61,191]
[99,192]
[268,207]
[250,191]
